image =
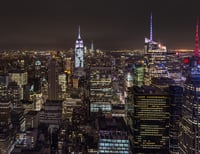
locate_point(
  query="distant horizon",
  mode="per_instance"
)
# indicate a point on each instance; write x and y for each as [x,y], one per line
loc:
[62,49]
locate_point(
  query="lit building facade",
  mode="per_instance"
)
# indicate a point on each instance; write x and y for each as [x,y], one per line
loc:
[155,55]
[138,74]
[68,65]
[26,140]
[113,136]
[38,69]
[129,80]
[68,107]
[68,69]
[21,78]
[100,85]
[190,127]
[148,119]
[155,60]
[174,66]
[3,91]
[190,121]
[5,126]
[38,72]
[79,52]
[62,85]
[38,101]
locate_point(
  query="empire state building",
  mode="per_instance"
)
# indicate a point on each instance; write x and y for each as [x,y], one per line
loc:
[79,51]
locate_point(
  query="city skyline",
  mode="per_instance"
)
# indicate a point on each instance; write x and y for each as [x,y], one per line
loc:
[111,25]
[126,94]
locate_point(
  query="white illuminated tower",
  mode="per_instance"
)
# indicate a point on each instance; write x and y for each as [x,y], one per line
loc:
[79,51]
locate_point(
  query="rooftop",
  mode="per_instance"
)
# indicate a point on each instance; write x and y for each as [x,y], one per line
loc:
[111,123]
[149,90]
[32,113]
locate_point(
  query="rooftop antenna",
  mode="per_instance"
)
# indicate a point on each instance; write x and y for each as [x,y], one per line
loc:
[151,29]
[92,46]
[196,52]
[79,32]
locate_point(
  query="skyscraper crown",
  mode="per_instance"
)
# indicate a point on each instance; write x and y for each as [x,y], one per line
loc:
[196,51]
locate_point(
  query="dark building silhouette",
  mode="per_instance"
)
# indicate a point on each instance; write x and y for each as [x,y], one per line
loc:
[176,101]
[53,80]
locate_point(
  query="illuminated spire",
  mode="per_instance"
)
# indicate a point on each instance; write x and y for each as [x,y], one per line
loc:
[92,46]
[79,32]
[151,29]
[196,52]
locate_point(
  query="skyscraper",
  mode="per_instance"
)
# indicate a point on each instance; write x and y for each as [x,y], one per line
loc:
[148,119]
[155,54]
[52,80]
[176,100]
[100,84]
[79,51]
[5,126]
[190,121]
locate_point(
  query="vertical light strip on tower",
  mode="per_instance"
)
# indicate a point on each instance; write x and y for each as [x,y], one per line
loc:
[92,46]
[151,29]
[197,40]
[79,32]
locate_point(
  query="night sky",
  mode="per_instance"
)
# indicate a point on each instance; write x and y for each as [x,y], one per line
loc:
[111,24]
